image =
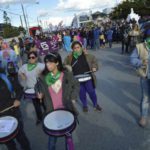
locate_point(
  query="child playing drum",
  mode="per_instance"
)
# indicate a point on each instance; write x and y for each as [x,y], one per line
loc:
[58,88]
[83,66]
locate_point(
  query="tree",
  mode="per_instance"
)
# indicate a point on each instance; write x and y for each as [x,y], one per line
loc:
[21,29]
[6,18]
[8,30]
[123,9]
[147,3]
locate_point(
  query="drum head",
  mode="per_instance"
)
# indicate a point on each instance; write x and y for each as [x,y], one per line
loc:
[8,126]
[58,120]
[30,91]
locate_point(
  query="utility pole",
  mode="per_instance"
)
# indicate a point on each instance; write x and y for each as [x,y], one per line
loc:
[21,21]
[25,18]
[38,21]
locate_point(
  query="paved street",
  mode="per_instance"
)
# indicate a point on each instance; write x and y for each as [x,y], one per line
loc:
[115,128]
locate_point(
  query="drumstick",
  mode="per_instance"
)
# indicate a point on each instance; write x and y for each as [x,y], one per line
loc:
[89,72]
[6,109]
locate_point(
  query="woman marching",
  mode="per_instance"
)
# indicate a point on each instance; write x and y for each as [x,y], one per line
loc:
[83,66]
[58,88]
[29,73]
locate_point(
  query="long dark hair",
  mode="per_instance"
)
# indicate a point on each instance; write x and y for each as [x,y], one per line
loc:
[55,58]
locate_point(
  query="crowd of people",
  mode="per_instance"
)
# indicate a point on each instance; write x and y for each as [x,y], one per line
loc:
[56,84]
[35,64]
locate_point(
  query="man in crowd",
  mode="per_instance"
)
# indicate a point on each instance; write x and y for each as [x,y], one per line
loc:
[140,58]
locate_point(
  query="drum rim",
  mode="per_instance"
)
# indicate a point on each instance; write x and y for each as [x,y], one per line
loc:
[30,89]
[74,122]
[29,95]
[61,132]
[13,134]
[10,137]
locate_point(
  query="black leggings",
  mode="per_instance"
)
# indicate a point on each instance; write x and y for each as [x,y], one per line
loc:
[38,108]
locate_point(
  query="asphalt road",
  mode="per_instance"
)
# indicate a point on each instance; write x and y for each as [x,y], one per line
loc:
[115,128]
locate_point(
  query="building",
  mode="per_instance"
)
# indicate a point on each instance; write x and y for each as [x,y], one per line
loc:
[81,19]
[99,18]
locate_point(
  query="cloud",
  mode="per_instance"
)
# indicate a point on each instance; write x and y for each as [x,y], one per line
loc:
[42,13]
[77,5]
[56,20]
[48,13]
[15,1]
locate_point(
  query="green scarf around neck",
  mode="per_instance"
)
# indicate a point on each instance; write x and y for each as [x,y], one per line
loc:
[148,42]
[77,54]
[51,79]
[30,67]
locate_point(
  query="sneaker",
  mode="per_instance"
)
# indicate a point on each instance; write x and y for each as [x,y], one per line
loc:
[143,122]
[85,109]
[98,108]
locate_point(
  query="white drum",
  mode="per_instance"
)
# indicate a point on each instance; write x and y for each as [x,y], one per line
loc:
[8,128]
[59,123]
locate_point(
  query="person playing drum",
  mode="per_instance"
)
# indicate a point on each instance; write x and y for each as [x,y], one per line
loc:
[83,66]
[58,88]
[29,73]
[10,95]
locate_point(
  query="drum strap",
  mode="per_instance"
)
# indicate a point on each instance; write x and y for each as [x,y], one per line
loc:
[6,80]
[77,120]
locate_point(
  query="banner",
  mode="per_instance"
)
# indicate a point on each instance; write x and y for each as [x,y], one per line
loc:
[47,46]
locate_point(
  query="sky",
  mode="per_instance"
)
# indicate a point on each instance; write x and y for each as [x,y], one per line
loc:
[50,11]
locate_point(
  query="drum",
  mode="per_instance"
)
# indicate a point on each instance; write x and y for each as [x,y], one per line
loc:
[59,123]
[29,94]
[8,128]
[83,77]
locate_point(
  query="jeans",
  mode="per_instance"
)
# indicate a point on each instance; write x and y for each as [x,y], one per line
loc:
[110,43]
[52,143]
[144,105]
[85,43]
[96,44]
[91,42]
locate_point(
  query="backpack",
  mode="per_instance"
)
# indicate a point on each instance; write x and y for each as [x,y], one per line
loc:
[11,68]
[9,61]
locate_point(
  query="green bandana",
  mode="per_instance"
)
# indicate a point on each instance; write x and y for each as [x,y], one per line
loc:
[51,79]
[77,54]
[31,66]
[148,42]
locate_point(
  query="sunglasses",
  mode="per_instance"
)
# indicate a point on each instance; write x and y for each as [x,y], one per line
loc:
[32,57]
